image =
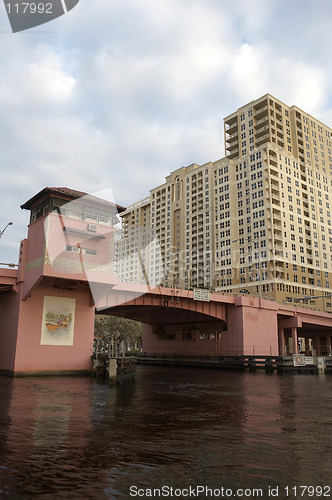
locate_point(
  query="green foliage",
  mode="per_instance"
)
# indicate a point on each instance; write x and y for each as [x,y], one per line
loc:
[118,329]
[50,317]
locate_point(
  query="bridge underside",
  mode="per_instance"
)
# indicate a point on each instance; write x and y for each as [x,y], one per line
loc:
[313,339]
[166,317]
[5,288]
[7,280]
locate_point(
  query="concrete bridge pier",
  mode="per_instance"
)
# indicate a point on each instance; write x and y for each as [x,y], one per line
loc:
[294,340]
[281,333]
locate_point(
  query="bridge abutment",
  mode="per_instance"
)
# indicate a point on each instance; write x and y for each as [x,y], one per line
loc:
[29,347]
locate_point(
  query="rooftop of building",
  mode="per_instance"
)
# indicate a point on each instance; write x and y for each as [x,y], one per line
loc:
[254,102]
[70,195]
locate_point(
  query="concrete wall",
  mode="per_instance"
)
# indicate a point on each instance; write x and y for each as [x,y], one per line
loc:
[21,351]
[9,312]
[252,329]
[31,356]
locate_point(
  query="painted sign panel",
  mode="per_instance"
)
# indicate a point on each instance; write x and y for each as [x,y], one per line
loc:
[302,360]
[298,359]
[58,321]
[202,294]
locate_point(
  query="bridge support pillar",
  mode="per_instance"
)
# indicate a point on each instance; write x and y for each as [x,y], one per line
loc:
[37,349]
[307,346]
[252,328]
[282,341]
[294,340]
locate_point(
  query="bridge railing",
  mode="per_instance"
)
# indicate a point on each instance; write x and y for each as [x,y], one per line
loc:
[108,348]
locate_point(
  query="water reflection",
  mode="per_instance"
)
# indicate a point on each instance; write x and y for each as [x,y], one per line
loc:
[77,438]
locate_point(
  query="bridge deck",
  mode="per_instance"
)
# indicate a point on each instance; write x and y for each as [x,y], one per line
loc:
[8,279]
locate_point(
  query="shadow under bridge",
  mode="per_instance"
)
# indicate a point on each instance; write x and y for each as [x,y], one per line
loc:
[171,313]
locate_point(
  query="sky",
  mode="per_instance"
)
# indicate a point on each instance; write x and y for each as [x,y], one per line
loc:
[116,94]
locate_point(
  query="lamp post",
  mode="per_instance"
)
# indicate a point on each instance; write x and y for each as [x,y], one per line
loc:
[4,229]
[259,260]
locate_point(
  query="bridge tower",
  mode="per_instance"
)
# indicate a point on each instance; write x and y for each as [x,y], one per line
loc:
[65,265]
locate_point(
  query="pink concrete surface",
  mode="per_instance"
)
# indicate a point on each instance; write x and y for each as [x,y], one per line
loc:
[250,331]
[45,269]
[44,252]
[9,314]
[8,276]
[33,357]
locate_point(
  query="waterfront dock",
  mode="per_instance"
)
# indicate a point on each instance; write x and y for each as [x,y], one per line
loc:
[115,370]
[269,364]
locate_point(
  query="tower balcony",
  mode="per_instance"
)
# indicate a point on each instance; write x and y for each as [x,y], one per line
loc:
[261,131]
[231,127]
[274,173]
[233,137]
[262,139]
[233,146]
[259,123]
[261,112]
[232,154]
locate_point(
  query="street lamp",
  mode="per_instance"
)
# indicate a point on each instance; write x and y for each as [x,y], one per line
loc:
[4,229]
[255,240]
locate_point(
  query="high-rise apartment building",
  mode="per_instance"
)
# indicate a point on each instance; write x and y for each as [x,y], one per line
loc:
[256,221]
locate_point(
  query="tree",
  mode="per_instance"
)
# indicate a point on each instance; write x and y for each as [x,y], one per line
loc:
[119,330]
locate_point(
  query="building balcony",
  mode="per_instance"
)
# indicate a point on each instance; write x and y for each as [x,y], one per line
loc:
[232,154]
[232,129]
[261,140]
[274,173]
[233,146]
[277,235]
[233,137]
[230,122]
[259,113]
[261,121]
[261,131]
[278,116]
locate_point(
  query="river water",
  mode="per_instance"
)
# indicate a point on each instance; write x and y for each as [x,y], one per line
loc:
[76,438]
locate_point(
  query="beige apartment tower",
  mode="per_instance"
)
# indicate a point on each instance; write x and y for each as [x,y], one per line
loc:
[257,221]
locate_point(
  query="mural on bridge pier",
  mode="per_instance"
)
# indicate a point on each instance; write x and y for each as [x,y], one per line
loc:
[58,321]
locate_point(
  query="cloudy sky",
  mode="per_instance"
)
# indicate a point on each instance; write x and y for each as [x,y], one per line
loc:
[118,93]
